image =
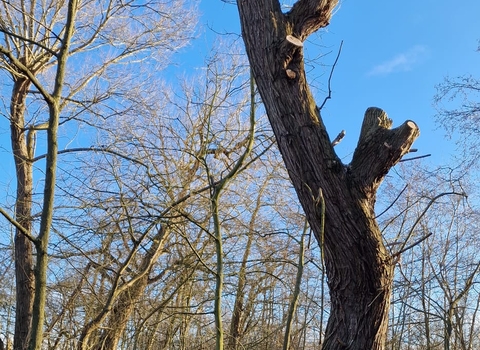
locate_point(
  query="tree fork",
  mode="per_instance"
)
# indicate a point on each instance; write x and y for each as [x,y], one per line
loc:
[358,266]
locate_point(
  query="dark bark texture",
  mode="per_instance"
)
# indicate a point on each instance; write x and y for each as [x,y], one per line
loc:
[359,268]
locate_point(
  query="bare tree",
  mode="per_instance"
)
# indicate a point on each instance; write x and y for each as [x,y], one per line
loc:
[359,268]
[434,299]
[457,101]
[161,169]
[37,40]
[32,313]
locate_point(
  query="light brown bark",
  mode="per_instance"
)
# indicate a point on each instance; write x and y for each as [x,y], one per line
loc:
[359,268]
[122,300]
[22,154]
[119,315]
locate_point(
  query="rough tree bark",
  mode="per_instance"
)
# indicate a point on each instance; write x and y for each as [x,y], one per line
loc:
[22,154]
[359,268]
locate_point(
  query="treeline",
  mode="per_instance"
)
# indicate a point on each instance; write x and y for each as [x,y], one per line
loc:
[139,214]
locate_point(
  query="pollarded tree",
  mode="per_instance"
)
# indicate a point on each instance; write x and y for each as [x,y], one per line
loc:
[359,268]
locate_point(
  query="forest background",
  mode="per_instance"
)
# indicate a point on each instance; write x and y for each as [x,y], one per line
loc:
[175,225]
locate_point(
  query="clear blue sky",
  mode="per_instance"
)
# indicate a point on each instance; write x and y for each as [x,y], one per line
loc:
[394,53]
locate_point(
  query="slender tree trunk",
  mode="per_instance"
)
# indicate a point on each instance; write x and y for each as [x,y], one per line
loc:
[238,307]
[219,276]
[41,264]
[358,266]
[22,153]
[54,108]
[292,309]
[240,310]
[448,327]
[216,192]
[425,304]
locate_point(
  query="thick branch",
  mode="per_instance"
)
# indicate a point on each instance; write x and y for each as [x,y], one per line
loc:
[15,223]
[27,72]
[380,148]
[308,16]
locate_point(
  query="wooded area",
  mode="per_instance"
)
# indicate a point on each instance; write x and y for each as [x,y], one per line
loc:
[214,213]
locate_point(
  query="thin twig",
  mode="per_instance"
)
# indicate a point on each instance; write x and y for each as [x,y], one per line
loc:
[412,245]
[94,149]
[330,77]
[22,38]
[432,201]
[394,201]
[413,158]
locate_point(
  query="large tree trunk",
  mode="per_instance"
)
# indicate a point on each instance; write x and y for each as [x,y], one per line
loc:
[359,268]
[22,154]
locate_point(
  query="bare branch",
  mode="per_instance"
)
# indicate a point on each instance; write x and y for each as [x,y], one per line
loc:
[22,38]
[329,96]
[412,245]
[394,201]
[15,223]
[94,149]
[27,72]
[419,157]
[339,138]
[432,201]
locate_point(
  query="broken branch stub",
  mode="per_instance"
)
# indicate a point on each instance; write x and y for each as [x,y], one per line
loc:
[290,48]
[294,41]
[379,148]
[374,118]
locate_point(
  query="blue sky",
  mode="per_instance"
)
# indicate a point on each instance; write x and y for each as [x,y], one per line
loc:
[394,53]
[393,56]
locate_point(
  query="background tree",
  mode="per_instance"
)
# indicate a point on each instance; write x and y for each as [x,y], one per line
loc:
[151,172]
[37,40]
[30,316]
[434,299]
[457,101]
